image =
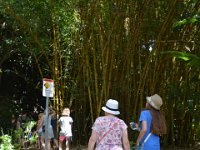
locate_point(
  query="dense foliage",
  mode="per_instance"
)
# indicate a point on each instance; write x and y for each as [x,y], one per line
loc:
[95,50]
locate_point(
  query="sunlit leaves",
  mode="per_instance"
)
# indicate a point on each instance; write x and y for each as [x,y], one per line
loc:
[191,59]
[187,21]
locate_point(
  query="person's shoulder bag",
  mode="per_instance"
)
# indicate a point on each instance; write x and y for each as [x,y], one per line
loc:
[141,146]
[111,128]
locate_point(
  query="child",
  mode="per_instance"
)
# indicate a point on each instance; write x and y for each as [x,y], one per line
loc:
[65,123]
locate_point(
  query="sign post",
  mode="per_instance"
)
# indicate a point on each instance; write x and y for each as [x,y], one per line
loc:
[47,91]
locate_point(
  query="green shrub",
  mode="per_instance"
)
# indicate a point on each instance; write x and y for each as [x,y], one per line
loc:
[6,143]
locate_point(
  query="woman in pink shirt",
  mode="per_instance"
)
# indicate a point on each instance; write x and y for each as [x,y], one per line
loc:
[109,132]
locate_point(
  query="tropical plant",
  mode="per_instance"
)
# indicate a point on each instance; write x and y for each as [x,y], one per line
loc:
[28,133]
[95,50]
[190,59]
[6,143]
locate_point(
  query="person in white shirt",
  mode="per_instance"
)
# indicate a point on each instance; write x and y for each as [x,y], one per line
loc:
[65,134]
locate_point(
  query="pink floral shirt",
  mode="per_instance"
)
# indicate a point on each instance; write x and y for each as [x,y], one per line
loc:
[110,128]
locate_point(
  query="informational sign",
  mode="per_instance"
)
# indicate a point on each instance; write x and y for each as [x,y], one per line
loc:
[48,88]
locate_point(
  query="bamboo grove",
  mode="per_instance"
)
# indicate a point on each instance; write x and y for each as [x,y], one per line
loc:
[95,50]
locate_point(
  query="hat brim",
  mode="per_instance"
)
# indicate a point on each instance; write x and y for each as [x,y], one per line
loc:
[110,111]
[151,103]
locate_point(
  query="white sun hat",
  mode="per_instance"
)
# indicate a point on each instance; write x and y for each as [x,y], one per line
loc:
[111,107]
[155,101]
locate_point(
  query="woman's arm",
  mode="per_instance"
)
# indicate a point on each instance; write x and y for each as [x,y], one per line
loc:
[40,123]
[92,140]
[52,112]
[125,140]
[142,132]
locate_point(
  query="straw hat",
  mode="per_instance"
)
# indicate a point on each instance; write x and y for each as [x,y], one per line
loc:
[111,107]
[155,101]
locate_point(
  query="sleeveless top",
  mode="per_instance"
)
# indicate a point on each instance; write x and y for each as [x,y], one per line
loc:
[50,129]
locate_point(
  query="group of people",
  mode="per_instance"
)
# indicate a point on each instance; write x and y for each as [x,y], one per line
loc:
[110,132]
[65,125]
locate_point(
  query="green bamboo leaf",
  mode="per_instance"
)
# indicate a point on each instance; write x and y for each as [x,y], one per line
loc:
[191,59]
[187,21]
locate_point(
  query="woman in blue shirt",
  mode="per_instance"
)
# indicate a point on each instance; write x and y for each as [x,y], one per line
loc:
[152,124]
